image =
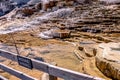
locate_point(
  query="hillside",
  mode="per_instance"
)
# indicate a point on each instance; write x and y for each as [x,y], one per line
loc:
[67,32]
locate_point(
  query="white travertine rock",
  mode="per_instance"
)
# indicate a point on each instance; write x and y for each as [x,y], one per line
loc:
[111,51]
[108,59]
[20,1]
[34,2]
[111,1]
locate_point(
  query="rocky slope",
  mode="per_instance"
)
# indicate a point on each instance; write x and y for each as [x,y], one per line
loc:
[47,28]
[108,60]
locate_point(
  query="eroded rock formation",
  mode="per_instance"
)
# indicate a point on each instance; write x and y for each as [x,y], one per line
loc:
[111,1]
[108,60]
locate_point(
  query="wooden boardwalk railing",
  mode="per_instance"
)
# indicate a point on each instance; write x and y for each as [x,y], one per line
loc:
[2,78]
[47,68]
[16,73]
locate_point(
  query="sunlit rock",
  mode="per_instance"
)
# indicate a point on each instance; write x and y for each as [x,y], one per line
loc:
[110,1]
[108,59]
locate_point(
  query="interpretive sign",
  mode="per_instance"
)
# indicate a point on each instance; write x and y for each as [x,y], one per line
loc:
[25,62]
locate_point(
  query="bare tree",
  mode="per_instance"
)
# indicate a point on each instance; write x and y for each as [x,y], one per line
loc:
[12,36]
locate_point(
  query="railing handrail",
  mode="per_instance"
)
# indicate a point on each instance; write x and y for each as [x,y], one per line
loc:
[16,73]
[2,78]
[51,69]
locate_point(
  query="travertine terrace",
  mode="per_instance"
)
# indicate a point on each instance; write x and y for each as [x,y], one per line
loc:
[81,35]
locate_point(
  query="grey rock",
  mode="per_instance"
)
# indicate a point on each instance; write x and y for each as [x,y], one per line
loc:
[39,58]
[44,52]
[33,2]
[55,8]
[110,1]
